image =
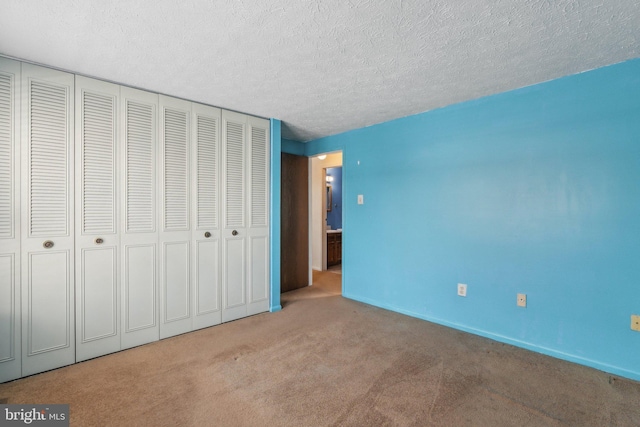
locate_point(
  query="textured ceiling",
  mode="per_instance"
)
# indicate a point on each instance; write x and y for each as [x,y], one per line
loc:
[323,66]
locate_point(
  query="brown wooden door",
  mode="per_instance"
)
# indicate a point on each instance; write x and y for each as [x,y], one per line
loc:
[294,238]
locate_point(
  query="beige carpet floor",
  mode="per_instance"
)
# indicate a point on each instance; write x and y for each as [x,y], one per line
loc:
[328,361]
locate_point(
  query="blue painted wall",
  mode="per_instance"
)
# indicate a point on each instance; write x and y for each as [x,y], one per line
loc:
[292,147]
[536,191]
[274,212]
[334,217]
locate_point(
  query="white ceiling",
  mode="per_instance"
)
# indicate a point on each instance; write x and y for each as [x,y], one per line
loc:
[323,66]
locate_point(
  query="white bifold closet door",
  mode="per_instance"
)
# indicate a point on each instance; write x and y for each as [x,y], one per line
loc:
[97,219]
[10,348]
[48,329]
[189,230]
[175,221]
[258,231]
[245,215]
[139,235]
[205,184]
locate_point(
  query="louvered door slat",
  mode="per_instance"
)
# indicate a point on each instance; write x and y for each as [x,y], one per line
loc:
[7,172]
[259,178]
[98,157]
[235,182]
[176,179]
[48,162]
[207,179]
[139,175]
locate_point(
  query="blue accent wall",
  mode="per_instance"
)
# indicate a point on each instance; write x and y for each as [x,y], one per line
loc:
[292,147]
[274,212]
[334,217]
[533,191]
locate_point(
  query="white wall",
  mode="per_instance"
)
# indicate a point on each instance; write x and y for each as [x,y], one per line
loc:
[317,206]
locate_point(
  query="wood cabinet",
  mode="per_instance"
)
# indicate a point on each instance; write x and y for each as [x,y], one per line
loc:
[334,248]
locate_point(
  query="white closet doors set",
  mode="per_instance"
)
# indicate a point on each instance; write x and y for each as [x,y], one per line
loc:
[125,217]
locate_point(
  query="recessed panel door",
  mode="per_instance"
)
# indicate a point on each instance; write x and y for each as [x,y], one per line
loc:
[139,232]
[258,230]
[206,237]
[48,325]
[97,219]
[10,349]
[234,232]
[175,232]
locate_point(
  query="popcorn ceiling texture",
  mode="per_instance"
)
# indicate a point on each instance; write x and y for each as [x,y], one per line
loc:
[323,66]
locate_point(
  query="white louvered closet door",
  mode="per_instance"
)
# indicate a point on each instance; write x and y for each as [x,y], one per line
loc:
[175,229]
[139,233]
[207,292]
[234,232]
[48,326]
[258,203]
[97,219]
[10,348]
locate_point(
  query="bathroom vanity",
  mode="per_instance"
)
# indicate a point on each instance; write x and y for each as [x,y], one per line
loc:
[334,247]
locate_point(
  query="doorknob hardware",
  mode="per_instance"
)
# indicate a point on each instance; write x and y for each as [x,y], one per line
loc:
[48,244]
[234,233]
[99,240]
[207,234]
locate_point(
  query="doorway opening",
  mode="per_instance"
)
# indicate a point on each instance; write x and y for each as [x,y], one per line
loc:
[325,217]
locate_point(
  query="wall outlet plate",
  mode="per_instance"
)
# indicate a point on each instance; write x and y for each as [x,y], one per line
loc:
[522,300]
[462,289]
[635,322]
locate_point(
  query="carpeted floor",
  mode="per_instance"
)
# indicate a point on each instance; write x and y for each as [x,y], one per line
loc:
[325,360]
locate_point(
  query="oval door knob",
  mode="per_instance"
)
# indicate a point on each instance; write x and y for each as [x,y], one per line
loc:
[47,244]
[234,233]
[207,234]
[99,240]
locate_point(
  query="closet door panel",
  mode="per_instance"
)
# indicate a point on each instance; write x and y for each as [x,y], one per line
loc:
[139,235]
[48,339]
[97,218]
[176,277]
[50,311]
[140,311]
[10,348]
[258,231]
[234,233]
[258,275]
[207,292]
[206,216]
[175,233]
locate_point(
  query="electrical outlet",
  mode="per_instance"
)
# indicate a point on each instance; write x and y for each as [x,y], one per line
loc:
[360,199]
[635,322]
[522,300]
[462,289]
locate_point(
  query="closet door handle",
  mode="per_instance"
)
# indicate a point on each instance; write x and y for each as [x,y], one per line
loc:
[234,233]
[47,244]
[207,234]
[99,240]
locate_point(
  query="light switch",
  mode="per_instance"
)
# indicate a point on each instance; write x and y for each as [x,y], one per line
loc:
[360,199]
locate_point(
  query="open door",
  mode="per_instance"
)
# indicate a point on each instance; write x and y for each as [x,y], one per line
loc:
[294,238]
